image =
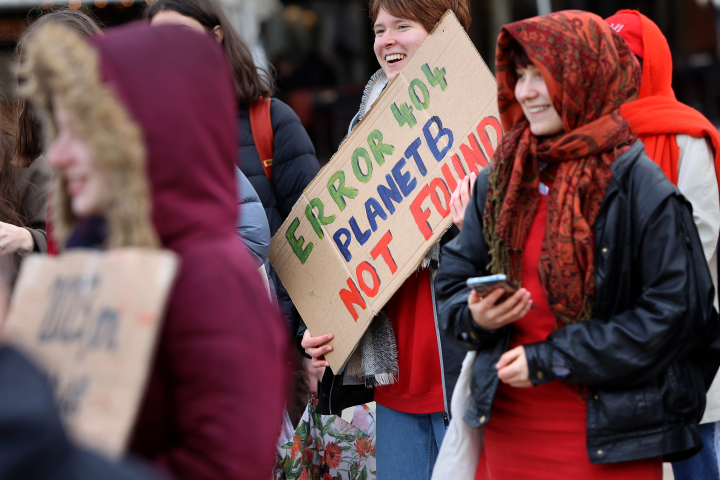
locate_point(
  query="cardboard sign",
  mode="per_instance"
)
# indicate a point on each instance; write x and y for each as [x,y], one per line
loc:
[366,221]
[91,320]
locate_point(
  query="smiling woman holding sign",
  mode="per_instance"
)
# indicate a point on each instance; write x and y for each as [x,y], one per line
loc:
[608,373]
[417,371]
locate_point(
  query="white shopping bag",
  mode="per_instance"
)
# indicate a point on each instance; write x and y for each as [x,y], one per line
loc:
[460,450]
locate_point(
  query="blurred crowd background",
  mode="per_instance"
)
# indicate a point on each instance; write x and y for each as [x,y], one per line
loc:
[321,49]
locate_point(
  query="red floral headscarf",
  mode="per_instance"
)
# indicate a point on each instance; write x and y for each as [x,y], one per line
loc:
[589,72]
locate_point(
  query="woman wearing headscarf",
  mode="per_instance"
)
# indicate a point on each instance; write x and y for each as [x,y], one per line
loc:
[591,369]
[141,133]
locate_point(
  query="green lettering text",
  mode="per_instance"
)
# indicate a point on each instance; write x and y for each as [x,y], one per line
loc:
[317,221]
[355,162]
[437,77]
[337,193]
[415,99]
[379,149]
[297,243]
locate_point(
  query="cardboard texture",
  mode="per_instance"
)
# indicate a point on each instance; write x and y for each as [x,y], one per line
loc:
[366,221]
[91,320]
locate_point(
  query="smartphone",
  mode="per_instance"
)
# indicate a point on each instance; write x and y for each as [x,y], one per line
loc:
[486,285]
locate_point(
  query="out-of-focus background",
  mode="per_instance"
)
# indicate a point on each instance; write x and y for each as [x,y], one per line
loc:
[322,49]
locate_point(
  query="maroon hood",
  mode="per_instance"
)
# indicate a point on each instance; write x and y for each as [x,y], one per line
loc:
[186,107]
[213,405]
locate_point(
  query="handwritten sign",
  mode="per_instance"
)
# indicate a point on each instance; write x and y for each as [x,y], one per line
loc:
[366,221]
[91,320]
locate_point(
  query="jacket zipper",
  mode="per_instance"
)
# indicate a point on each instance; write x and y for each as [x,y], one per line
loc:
[446,415]
[330,395]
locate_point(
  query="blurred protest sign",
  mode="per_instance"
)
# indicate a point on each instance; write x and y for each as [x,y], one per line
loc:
[91,320]
[366,221]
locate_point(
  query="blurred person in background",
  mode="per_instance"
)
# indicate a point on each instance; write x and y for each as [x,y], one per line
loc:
[413,392]
[292,166]
[687,148]
[33,441]
[617,299]
[35,175]
[142,140]
[252,226]
[15,235]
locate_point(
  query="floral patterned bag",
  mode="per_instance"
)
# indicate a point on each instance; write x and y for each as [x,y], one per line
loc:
[326,447]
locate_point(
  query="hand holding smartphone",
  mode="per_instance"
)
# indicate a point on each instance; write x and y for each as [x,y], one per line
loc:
[492,312]
[486,285]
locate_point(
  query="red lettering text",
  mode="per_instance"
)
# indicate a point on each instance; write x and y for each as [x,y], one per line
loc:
[383,248]
[352,297]
[434,185]
[458,167]
[421,215]
[473,154]
[485,137]
[367,290]
[449,179]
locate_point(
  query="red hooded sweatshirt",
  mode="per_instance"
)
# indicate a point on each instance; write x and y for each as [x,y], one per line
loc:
[657,116]
[213,405]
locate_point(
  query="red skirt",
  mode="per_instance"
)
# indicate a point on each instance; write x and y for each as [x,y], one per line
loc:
[540,433]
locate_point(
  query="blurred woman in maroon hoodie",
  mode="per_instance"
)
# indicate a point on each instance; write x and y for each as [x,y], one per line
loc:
[142,138]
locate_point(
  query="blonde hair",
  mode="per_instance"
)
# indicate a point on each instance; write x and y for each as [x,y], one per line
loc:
[59,63]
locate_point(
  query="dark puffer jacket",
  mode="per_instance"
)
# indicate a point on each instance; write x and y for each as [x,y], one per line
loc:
[643,360]
[33,442]
[294,167]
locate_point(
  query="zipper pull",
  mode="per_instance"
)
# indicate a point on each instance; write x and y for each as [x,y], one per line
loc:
[447,419]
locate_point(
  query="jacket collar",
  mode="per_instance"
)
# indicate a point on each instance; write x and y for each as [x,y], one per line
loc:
[624,162]
[375,86]
[373,89]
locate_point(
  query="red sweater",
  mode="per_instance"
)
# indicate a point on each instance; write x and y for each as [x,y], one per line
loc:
[419,385]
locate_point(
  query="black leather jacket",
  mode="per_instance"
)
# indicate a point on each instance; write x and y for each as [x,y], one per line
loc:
[642,362]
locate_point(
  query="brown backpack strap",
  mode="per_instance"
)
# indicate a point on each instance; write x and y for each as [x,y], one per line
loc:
[262,132]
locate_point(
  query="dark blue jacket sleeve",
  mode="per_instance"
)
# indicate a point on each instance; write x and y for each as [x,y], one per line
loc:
[33,442]
[294,161]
